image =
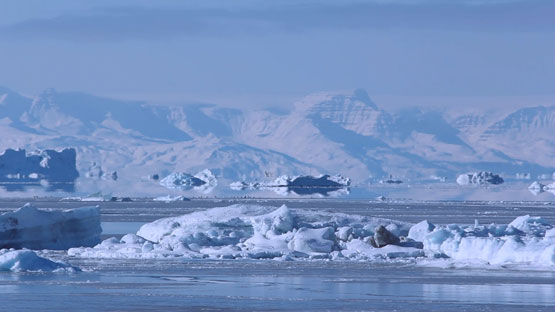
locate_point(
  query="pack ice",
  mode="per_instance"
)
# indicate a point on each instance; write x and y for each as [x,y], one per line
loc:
[248,231]
[29,227]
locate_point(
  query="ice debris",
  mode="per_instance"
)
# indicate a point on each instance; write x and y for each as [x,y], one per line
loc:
[29,261]
[479,178]
[203,181]
[29,227]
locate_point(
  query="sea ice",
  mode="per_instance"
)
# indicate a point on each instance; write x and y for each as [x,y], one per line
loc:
[250,231]
[29,227]
[27,260]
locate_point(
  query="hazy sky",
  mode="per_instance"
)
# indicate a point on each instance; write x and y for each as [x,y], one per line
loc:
[254,53]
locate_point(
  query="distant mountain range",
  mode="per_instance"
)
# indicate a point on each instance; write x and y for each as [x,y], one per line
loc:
[328,133]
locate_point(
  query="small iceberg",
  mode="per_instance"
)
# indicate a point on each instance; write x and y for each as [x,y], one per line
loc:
[479,178]
[203,181]
[324,185]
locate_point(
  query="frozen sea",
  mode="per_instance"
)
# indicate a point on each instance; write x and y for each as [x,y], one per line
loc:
[177,284]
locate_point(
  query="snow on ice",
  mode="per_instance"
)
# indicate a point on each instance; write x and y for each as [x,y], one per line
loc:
[249,231]
[29,227]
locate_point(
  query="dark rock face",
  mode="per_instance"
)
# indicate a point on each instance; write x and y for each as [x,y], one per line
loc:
[50,165]
[383,237]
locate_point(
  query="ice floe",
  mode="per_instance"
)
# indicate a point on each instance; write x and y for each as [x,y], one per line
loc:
[29,227]
[479,178]
[249,231]
[29,261]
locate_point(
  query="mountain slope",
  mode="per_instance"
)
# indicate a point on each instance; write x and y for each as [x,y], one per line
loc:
[328,132]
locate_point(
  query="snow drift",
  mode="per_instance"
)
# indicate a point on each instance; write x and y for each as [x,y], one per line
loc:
[29,227]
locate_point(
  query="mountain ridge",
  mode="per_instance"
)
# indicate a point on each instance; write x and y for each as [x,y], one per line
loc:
[326,132]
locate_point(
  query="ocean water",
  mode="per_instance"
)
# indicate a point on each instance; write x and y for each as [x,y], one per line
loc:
[178,284]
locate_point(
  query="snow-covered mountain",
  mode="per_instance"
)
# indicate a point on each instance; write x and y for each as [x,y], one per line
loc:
[325,133]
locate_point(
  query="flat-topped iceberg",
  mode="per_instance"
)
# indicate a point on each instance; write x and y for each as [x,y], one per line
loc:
[324,185]
[29,261]
[54,169]
[29,227]
[249,231]
[479,178]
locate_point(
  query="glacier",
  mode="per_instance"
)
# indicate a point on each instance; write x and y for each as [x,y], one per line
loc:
[29,227]
[261,232]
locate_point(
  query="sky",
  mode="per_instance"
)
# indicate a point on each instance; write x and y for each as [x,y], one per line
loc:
[268,53]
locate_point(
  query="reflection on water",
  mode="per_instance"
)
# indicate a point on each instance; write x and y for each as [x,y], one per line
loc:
[511,294]
[173,285]
[322,191]
[43,185]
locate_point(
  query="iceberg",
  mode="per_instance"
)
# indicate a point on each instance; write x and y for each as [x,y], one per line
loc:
[96,172]
[29,261]
[55,168]
[29,227]
[536,188]
[479,178]
[325,185]
[96,197]
[203,181]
